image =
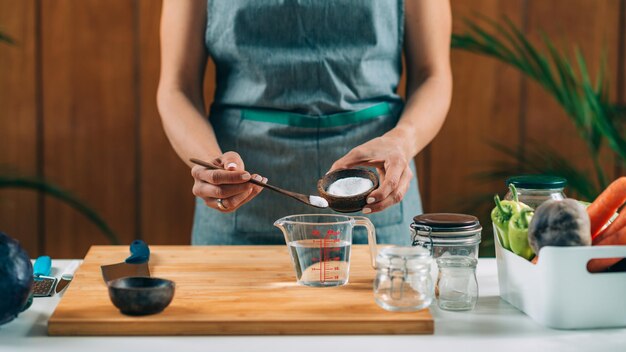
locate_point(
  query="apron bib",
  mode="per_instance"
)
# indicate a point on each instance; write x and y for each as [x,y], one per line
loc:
[293,95]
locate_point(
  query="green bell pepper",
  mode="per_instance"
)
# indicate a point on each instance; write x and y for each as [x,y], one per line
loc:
[518,234]
[502,214]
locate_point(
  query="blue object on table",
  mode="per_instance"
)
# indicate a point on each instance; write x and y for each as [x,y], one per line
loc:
[43,284]
[139,252]
[42,266]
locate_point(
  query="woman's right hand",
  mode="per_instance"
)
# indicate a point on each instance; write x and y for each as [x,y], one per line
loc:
[230,185]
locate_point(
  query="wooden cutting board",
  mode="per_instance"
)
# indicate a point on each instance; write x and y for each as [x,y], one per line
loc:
[231,290]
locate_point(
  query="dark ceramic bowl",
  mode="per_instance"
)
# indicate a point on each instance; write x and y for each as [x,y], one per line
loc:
[141,295]
[349,204]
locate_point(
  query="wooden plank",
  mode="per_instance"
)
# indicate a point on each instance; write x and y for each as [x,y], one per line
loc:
[620,165]
[89,114]
[166,198]
[18,120]
[485,107]
[231,290]
[592,26]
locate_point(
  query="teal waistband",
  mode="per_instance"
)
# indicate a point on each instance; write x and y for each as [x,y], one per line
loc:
[301,120]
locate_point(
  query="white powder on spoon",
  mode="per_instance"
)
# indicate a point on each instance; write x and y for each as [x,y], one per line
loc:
[318,201]
[349,186]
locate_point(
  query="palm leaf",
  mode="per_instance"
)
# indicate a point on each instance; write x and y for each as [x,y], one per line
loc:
[63,195]
[587,105]
[5,38]
[540,160]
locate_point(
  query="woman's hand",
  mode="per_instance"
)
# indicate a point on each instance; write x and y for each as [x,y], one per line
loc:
[391,161]
[230,185]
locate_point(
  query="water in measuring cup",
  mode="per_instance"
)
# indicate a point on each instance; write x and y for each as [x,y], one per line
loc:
[321,262]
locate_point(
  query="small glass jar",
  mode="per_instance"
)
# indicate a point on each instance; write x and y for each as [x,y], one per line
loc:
[403,281]
[447,234]
[533,190]
[457,287]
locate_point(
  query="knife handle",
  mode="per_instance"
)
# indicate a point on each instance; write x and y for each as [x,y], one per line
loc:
[42,266]
[139,252]
[68,273]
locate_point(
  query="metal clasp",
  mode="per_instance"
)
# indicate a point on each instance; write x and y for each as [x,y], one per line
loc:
[416,229]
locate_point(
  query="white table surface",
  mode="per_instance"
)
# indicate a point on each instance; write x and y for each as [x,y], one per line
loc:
[493,326]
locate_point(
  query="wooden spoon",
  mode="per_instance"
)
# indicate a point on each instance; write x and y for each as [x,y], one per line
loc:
[308,200]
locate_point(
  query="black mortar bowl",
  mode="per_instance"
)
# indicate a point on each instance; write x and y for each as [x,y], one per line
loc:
[141,295]
[349,204]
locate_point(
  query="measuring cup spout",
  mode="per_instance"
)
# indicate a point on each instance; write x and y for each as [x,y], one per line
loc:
[280,224]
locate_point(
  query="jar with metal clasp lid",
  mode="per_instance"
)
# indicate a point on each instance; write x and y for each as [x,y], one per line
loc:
[403,279]
[447,234]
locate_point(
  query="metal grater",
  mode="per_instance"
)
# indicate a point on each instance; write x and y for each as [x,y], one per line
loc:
[43,286]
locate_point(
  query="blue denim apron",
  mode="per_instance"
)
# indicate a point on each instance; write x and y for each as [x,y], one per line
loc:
[299,84]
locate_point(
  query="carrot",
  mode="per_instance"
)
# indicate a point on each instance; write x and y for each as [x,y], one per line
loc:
[607,203]
[614,227]
[535,259]
[618,238]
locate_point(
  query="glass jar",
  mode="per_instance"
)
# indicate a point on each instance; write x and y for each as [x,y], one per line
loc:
[533,190]
[457,287]
[447,234]
[403,281]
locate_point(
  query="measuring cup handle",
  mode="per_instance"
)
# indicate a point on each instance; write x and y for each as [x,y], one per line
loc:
[371,236]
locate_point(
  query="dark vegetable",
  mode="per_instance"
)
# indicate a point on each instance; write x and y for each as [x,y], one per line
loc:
[559,223]
[16,278]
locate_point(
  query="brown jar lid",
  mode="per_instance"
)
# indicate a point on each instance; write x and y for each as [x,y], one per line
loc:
[449,223]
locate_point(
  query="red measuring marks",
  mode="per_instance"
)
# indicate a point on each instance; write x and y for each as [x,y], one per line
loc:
[329,253]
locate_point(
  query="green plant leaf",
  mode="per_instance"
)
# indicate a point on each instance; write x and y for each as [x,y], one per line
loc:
[5,38]
[543,72]
[33,183]
[539,159]
[567,93]
[587,104]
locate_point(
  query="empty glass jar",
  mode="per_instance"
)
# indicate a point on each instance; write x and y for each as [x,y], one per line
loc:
[533,190]
[403,281]
[457,287]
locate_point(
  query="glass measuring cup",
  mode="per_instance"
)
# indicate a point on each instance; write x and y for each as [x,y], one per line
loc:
[320,246]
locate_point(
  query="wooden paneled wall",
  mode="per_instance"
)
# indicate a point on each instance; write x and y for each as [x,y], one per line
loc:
[77,106]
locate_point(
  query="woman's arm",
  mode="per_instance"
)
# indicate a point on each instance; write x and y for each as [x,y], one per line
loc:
[429,77]
[180,93]
[428,29]
[181,105]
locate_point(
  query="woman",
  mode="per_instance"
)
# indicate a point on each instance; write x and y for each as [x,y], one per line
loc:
[303,87]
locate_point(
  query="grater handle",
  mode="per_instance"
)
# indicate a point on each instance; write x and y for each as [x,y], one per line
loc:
[42,266]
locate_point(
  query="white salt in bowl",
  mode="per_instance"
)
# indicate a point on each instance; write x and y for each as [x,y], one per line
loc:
[347,203]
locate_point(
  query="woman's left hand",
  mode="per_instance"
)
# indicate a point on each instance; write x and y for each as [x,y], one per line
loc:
[391,161]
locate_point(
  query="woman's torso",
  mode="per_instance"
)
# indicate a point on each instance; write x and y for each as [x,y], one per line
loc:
[297,82]
[313,57]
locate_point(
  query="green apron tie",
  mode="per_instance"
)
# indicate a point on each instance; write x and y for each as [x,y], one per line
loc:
[310,121]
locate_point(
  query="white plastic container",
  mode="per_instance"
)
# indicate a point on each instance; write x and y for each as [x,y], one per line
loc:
[559,292]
